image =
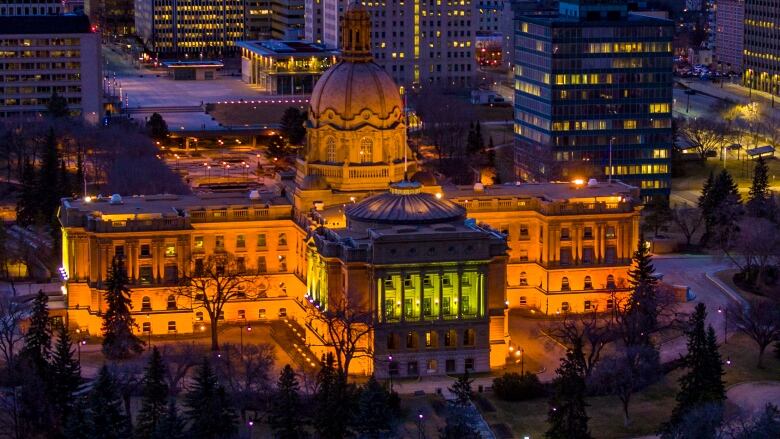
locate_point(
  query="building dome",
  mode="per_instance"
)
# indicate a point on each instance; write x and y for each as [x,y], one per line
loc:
[356,90]
[405,204]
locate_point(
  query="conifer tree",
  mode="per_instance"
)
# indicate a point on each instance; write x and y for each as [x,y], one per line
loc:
[49,190]
[334,401]
[702,385]
[119,341]
[76,423]
[209,411]
[374,412]
[65,185]
[760,195]
[27,211]
[462,390]
[57,106]
[567,416]
[37,340]
[641,318]
[171,426]
[64,375]
[105,411]
[78,186]
[285,412]
[155,397]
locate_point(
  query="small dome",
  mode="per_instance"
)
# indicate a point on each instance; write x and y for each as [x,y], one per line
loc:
[425,178]
[314,182]
[405,204]
[356,89]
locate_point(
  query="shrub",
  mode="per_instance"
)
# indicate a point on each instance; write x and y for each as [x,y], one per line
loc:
[515,387]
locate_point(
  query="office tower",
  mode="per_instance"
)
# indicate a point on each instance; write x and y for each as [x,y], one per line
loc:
[593,86]
[419,42]
[67,61]
[729,38]
[313,11]
[190,28]
[762,45]
[257,19]
[287,19]
[30,7]
[112,17]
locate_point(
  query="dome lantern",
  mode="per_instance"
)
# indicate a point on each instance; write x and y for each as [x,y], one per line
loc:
[356,34]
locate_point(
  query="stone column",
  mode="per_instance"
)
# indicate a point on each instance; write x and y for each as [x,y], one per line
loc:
[403,296]
[460,291]
[441,293]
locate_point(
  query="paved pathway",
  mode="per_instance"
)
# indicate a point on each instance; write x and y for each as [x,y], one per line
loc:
[753,396]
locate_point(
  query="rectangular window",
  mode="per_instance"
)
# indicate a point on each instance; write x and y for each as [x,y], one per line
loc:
[392,342]
[610,232]
[170,250]
[587,305]
[469,364]
[449,366]
[261,240]
[282,240]
[523,231]
[610,256]
[261,267]
[282,263]
[588,233]
[242,314]
[198,245]
[412,369]
[240,265]
[172,326]
[411,340]
[119,251]
[565,306]
[629,124]
[145,251]
[240,242]
[565,258]
[220,242]
[171,273]
[523,300]
[565,234]
[587,255]
[145,275]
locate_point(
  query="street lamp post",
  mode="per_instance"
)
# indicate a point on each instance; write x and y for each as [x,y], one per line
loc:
[389,371]
[149,333]
[421,435]
[725,324]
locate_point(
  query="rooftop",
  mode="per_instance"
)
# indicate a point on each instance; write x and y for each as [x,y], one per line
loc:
[45,25]
[557,19]
[572,192]
[191,64]
[279,47]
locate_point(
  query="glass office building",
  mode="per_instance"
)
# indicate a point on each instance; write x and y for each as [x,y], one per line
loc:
[593,86]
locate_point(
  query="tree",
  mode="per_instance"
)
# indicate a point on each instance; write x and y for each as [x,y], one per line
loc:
[292,125]
[567,416]
[179,359]
[702,383]
[277,148]
[209,411]
[170,426]
[215,281]
[704,136]
[76,424]
[374,414]
[157,128]
[119,341]
[12,313]
[759,320]
[245,373]
[57,106]
[475,143]
[687,219]
[49,189]
[37,341]
[347,329]
[760,197]
[104,409]
[462,390]
[334,401]
[766,425]
[457,427]
[592,331]
[155,397]
[27,211]
[658,214]
[753,248]
[65,375]
[721,207]
[515,387]
[285,411]
[640,319]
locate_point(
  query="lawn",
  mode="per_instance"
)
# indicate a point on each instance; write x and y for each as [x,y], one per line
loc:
[694,173]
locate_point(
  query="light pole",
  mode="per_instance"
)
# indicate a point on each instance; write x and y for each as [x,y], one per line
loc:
[248,330]
[149,333]
[78,343]
[725,324]
[389,371]
[421,435]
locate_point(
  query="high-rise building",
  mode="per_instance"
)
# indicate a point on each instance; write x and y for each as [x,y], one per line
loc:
[287,19]
[190,28]
[42,55]
[30,7]
[313,17]
[593,87]
[729,38]
[762,45]
[257,19]
[112,17]
[419,42]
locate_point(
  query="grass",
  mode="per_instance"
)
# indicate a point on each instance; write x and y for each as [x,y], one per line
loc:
[694,173]
[727,277]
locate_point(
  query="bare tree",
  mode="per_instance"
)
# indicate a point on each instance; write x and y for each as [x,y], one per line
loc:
[11,315]
[246,373]
[214,281]
[754,249]
[688,220]
[760,321]
[705,136]
[347,331]
[179,358]
[128,376]
[594,331]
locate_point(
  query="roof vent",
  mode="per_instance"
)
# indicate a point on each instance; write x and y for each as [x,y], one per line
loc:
[115,199]
[254,195]
[479,187]
[593,182]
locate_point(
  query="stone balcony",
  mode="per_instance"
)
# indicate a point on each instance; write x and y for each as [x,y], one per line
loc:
[352,176]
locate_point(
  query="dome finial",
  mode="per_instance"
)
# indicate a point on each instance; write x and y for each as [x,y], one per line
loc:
[356,34]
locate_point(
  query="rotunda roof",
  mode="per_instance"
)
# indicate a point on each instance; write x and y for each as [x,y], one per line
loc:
[405,204]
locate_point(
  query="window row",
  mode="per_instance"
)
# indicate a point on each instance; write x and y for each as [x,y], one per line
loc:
[241,314]
[261,241]
[432,367]
[432,339]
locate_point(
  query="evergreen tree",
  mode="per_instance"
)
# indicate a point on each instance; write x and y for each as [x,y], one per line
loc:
[462,390]
[702,385]
[27,211]
[78,184]
[458,428]
[64,375]
[49,190]
[658,214]
[157,128]
[723,208]
[37,340]
[292,127]
[277,148]
[105,411]
[57,106]
[171,426]
[374,411]
[155,397]
[567,416]
[76,423]
[66,185]
[119,340]
[641,319]
[760,196]
[285,412]
[334,401]
[209,410]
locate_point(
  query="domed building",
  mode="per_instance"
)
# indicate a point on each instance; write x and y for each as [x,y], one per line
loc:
[356,129]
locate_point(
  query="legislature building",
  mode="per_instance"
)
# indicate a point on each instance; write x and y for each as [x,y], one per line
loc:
[434,268]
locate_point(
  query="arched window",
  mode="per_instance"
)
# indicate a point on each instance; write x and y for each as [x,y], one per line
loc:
[146,304]
[523,278]
[565,284]
[330,150]
[610,281]
[366,150]
[588,283]
[171,302]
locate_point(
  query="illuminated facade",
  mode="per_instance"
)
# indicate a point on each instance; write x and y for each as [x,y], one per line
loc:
[762,45]
[287,19]
[418,42]
[592,79]
[190,28]
[33,65]
[729,38]
[284,67]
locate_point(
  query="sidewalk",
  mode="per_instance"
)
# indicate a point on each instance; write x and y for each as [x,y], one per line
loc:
[732,91]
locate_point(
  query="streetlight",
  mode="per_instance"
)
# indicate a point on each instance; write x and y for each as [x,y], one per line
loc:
[79,342]
[149,333]
[250,424]
[725,324]
[420,424]
[389,371]
[248,330]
